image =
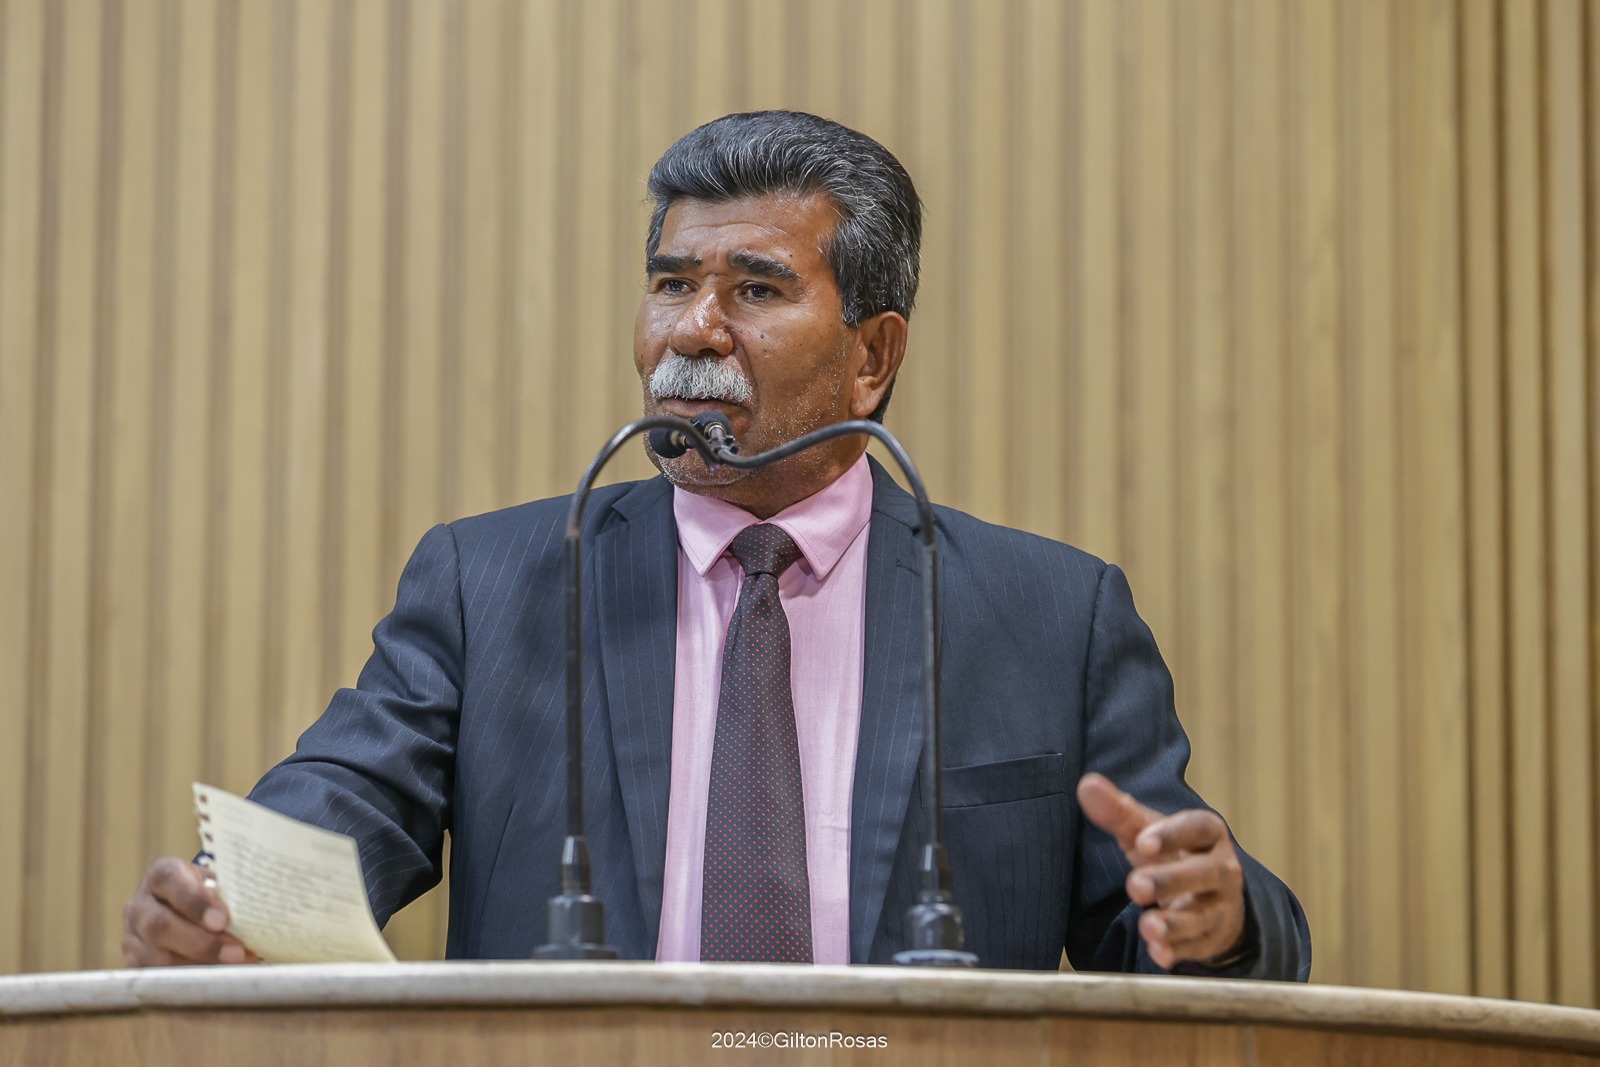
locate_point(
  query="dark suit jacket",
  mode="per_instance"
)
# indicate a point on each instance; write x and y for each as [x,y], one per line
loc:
[1048,672]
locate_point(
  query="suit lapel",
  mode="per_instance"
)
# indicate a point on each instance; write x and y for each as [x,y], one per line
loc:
[891,706]
[636,608]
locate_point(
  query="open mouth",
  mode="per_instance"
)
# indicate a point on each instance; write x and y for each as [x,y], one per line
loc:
[687,409]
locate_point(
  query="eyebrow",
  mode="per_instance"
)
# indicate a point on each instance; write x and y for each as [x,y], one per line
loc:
[667,264]
[762,266]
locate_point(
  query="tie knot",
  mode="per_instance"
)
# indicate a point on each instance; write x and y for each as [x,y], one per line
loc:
[764,549]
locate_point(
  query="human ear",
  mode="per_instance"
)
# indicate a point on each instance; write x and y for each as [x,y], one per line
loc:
[880,346]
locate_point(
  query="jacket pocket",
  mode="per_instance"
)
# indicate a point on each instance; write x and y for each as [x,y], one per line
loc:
[1006,781]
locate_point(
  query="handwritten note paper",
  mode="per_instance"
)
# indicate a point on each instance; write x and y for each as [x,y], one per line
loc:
[294,892]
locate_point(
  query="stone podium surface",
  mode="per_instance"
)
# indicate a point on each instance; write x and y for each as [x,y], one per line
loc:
[460,1014]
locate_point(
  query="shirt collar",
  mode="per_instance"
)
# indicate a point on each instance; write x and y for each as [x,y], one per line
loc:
[823,525]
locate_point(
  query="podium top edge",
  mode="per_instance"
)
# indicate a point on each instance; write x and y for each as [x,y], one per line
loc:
[890,990]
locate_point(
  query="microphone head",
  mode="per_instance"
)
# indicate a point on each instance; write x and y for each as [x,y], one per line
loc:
[707,419]
[667,443]
[670,444]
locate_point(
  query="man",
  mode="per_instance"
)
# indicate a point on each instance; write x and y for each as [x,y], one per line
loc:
[753,711]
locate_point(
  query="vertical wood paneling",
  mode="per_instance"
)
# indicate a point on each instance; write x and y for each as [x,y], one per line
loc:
[1266,819]
[275,399]
[539,244]
[242,404]
[122,707]
[22,51]
[766,35]
[1094,412]
[484,176]
[221,235]
[1591,113]
[157,491]
[1527,574]
[1320,663]
[627,196]
[1572,727]
[1207,611]
[930,354]
[820,67]
[1436,699]
[103,355]
[976,393]
[1488,811]
[1038,303]
[1146,455]
[421,79]
[67,353]
[1289,308]
[1368,62]
[307,359]
[368,591]
[184,448]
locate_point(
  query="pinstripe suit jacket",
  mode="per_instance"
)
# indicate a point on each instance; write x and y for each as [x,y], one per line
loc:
[456,724]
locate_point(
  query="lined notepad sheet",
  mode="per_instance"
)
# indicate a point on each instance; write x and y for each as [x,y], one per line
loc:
[294,892]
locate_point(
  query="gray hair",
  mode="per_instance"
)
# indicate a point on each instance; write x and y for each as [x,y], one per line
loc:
[875,249]
[683,378]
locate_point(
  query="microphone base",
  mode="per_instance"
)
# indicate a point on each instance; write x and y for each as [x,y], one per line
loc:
[577,930]
[935,931]
[935,957]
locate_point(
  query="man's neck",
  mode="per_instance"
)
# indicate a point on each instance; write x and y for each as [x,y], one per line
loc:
[765,498]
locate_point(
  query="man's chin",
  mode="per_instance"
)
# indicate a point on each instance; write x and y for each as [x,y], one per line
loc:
[690,472]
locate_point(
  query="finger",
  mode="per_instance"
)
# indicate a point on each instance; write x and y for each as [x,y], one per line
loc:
[1195,830]
[136,952]
[1201,915]
[180,940]
[1163,882]
[1112,810]
[1208,946]
[185,889]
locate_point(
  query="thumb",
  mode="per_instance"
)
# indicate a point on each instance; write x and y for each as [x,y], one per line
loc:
[1112,810]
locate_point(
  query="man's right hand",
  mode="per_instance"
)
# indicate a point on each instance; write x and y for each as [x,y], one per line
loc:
[175,918]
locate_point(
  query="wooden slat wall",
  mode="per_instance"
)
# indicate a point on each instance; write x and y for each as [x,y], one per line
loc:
[1292,308]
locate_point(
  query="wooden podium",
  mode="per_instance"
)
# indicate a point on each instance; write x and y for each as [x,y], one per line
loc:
[464,1014]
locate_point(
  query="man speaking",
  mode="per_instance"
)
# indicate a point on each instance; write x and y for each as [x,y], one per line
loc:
[756,660]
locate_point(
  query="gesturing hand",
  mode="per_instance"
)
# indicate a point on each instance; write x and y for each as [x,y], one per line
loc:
[176,918]
[1185,873]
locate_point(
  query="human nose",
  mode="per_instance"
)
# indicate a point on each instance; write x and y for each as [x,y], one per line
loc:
[701,328]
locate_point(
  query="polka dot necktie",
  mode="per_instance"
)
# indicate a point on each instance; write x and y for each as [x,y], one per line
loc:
[756,904]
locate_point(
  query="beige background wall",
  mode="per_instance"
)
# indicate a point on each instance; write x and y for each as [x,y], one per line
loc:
[1291,308]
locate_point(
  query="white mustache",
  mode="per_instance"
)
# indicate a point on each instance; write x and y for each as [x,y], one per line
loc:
[679,377]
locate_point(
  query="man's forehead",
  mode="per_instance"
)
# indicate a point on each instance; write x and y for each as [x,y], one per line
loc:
[803,221]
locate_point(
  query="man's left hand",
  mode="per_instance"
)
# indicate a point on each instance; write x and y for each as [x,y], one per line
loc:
[1185,873]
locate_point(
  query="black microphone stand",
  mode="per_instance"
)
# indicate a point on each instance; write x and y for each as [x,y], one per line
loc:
[576,917]
[934,924]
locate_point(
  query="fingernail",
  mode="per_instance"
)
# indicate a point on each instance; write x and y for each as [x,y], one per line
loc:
[1158,930]
[1149,843]
[1140,886]
[214,919]
[231,954]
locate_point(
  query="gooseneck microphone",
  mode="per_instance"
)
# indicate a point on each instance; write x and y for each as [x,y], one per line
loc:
[715,433]
[935,931]
[576,917]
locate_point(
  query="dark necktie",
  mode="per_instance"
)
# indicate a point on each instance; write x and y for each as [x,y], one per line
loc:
[756,902]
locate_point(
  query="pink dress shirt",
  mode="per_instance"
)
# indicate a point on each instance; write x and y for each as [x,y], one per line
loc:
[824,597]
